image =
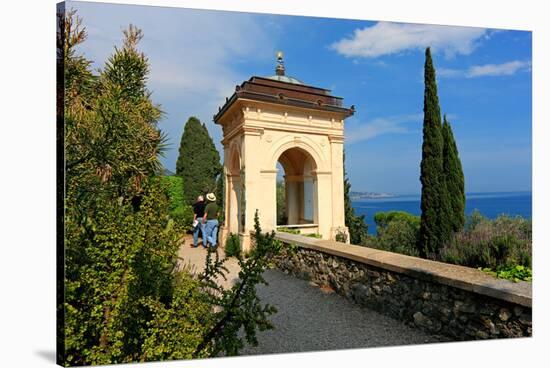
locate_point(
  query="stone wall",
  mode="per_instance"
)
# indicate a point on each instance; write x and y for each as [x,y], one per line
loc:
[457,302]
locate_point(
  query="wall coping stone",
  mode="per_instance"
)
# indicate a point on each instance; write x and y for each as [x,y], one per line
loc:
[465,278]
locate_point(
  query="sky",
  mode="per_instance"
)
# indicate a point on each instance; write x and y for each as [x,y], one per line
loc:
[484,82]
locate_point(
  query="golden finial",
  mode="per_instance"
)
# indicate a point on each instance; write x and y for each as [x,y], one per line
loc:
[280,69]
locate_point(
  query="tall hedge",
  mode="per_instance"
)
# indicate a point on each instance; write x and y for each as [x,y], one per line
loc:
[198,161]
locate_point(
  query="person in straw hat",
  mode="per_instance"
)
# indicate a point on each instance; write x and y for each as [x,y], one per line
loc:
[210,221]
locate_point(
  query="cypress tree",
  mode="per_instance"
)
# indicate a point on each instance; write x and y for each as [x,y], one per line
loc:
[358,228]
[454,177]
[434,228]
[198,161]
[220,194]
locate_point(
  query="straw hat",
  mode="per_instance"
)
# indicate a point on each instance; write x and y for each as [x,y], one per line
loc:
[211,197]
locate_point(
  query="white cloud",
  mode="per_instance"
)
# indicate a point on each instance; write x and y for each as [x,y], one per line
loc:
[449,73]
[357,131]
[509,68]
[386,38]
[192,56]
[487,70]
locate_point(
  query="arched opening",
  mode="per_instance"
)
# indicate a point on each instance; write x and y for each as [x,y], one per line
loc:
[296,189]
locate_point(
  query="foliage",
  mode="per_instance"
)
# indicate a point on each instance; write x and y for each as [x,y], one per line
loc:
[180,211]
[239,307]
[383,219]
[288,230]
[124,298]
[282,217]
[358,228]
[397,231]
[119,245]
[314,235]
[177,328]
[183,218]
[298,232]
[290,248]
[400,236]
[341,236]
[496,244]
[174,186]
[198,161]
[434,222]
[454,178]
[232,245]
[513,273]
[220,196]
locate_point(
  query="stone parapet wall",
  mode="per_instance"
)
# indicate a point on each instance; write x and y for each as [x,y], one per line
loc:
[454,301]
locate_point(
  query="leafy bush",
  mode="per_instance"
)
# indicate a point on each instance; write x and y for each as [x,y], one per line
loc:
[341,236]
[383,219]
[399,235]
[240,313]
[180,212]
[122,297]
[497,244]
[174,186]
[289,230]
[183,217]
[232,245]
[515,273]
[397,231]
[314,235]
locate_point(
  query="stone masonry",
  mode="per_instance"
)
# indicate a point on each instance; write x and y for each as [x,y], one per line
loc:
[416,294]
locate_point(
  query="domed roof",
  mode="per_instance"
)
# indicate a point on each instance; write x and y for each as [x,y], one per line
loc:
[285,78]
[280,72]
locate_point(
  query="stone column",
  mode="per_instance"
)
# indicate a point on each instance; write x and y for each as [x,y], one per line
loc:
[234,198]
[337,167]
[294,208]
[324,202]
[251,190]
[268,206]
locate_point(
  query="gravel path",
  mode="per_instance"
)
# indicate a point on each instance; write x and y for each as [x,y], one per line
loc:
[309,319]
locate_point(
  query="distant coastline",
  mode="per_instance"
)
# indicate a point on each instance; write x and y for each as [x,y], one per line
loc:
[354,196]
[489,204]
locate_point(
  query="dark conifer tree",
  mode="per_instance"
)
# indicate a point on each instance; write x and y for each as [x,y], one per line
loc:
[454,177]
[198,161]
[434,229]
[358,228]
[220,194]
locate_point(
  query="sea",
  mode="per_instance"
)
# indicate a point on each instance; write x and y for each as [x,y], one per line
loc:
[490,205]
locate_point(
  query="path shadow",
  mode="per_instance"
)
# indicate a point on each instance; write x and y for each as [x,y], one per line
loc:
[48,355]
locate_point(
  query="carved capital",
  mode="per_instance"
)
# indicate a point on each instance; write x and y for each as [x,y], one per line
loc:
[336,139]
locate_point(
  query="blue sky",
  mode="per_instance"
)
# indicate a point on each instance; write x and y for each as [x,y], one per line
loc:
[484,81]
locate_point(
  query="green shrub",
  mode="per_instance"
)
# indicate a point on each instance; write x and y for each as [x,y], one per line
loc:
[179,211]
[289,230]
[497,244]
[399,235]
[183,217]
[383,219]
[232,245]
[397,231]
[174,186]
[314,235]
[515,273]
[341,236]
